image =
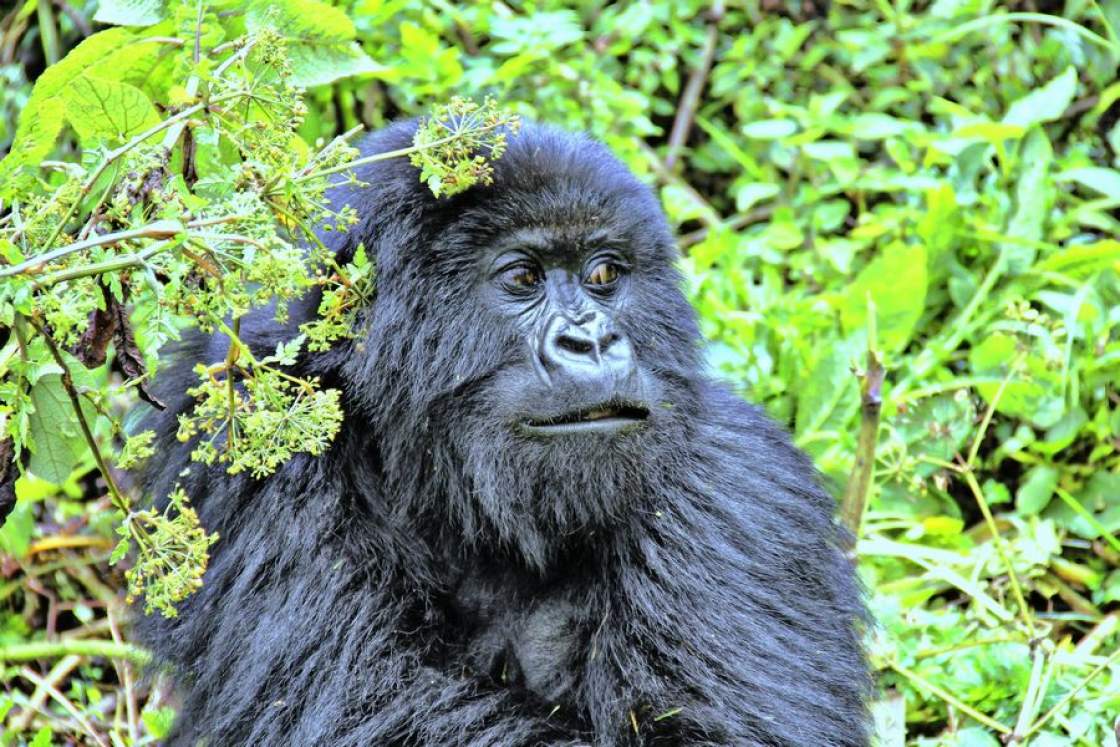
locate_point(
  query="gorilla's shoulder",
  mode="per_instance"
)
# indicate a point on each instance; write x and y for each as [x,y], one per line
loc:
[756,452]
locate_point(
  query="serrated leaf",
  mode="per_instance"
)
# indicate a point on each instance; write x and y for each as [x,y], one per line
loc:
[101,109]
[1044,104]
[322,65]
[54,430]
[307,21]
[130,12]
[42,118]
[320,37]
[120,551]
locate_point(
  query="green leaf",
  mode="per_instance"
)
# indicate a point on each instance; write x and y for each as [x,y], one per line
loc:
[43,738]
[1036,490]
[42,118]
[159,721]
[1044,104]
[1083,260]
[320,39]
[769,129]
[100,109]
[1098,179]
[896,281]
[130,12]
[18,528]
[319,66]
[1033,196]
[58,443]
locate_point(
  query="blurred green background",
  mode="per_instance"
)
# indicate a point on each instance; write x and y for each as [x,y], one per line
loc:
[933,180]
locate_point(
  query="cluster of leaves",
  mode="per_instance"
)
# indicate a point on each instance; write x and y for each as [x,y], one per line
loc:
[191,201]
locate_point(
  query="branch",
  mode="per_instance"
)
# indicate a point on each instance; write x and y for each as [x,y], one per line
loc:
[32,650]
[871,404]
[686,109]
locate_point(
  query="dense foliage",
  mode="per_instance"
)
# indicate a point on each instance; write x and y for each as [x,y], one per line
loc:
[911,203]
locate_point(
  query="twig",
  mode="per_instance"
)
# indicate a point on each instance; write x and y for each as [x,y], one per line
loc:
[59,671]
[870,406]
[1069,695]
[949,698]
[159,230]
[690,98]
[733,224]
[32,650]
[63,701]
[119,501]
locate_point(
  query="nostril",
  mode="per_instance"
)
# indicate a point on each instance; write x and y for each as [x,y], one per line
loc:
[607,340]
[577,345]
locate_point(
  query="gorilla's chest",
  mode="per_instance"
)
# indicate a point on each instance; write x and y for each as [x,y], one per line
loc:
[520,634]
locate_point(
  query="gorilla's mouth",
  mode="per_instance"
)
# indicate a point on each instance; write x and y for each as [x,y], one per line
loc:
[606,417]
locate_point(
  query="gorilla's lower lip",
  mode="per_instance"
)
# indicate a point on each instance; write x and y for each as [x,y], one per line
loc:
[597,419]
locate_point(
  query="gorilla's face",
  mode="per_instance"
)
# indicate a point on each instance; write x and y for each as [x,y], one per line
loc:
[559,352]
[578,374]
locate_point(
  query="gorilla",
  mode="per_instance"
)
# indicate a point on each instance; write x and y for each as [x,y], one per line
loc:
[541,523]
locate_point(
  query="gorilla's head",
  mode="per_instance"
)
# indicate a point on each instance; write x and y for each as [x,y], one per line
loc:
[530,355]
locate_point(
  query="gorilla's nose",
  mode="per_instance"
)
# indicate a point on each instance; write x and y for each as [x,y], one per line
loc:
[586,348]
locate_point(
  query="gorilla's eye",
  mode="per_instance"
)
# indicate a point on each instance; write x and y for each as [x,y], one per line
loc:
[604,275]
[521,277]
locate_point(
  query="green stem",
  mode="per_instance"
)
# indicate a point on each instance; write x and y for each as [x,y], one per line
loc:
[117,497]
[121,262]
[952,700]
[159,230]
[967,28]
[32,650]
[396,153]
[48,32]
[1069,695]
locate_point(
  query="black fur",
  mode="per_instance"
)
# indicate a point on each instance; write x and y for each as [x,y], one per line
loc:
[439,579]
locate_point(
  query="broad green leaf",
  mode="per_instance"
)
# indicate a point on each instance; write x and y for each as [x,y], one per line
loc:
[896,282]
[159,721]
[1044,104]
[1036,489]
[320,38]
[319,66]
[749,194]
[58,443]
[306,21]
[41,120]
[1033,197]
[130,12]
[101,109]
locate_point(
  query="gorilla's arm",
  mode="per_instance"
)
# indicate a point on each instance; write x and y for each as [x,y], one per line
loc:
[731,609]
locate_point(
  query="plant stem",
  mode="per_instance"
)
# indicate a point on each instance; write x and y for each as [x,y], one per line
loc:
[117,497]
[871,405]
[396,153]
[159,230]
[32,650]
[957,703]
